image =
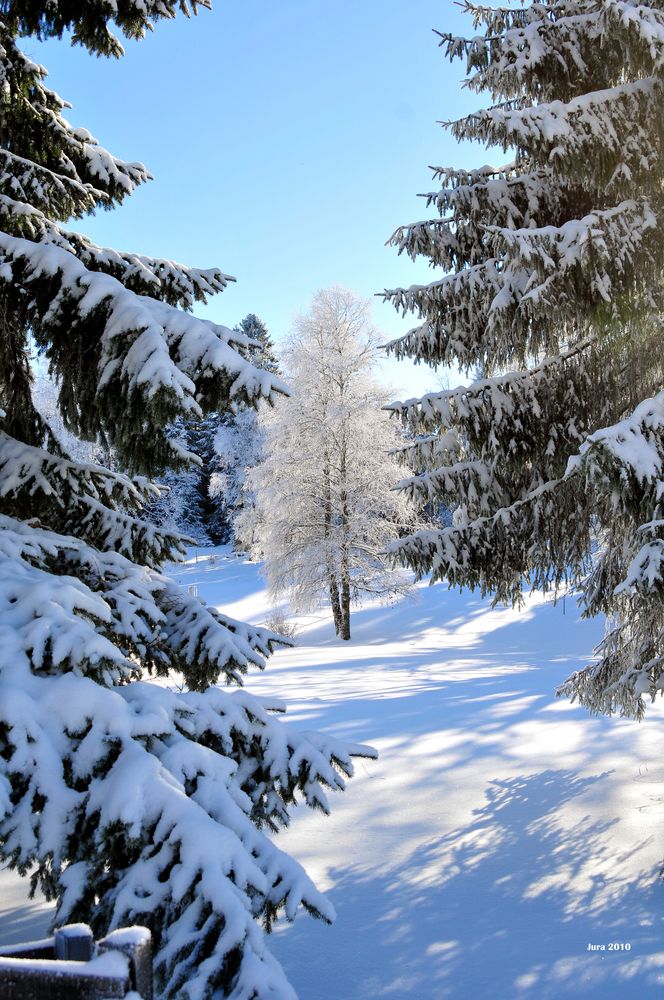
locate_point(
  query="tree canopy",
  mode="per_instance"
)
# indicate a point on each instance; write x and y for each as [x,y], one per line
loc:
[325,507]
[552,285]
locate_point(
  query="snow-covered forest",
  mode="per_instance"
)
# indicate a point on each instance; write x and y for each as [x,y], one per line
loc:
[276,645]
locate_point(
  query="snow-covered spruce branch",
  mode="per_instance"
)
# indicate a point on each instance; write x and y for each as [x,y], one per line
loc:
[203,643]
[90,24]
[508,298]
[429,451]
[498,425]
[440,338]
[112,612]
[633,447]
[630,665]
[500,552]
[167,280]
[31,184]
[174,283]
[521,543]
[65,150]
[591,254]
[472,483]
[83,499]
[493,399]
[540,48]
[133,537]
[23,467]
[142,348]
[632,452]
[605,120]
[189,820]
[515,202]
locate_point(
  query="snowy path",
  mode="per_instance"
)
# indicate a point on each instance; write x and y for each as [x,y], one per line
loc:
[500,832]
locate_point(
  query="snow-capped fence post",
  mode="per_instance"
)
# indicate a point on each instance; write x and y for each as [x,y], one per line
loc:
[74,943]
[72,966]
[136,944]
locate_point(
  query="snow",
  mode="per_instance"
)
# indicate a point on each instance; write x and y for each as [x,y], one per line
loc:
[634,441]
[147,346]
[112,964]
[499,833]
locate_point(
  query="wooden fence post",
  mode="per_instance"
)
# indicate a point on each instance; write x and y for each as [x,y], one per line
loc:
[72,966]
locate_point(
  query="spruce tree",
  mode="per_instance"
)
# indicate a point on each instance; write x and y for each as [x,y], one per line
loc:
[261,350]
[183,505]
[202,502]
[552,288]
[129,801]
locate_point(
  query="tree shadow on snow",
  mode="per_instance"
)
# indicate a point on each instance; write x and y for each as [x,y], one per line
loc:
[502,908]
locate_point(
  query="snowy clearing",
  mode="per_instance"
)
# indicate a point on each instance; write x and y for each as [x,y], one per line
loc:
[500,833]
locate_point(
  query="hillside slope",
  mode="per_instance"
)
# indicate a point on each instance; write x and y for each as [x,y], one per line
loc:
[500,833]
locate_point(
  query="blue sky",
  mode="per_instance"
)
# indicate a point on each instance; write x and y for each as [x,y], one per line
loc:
[287,141]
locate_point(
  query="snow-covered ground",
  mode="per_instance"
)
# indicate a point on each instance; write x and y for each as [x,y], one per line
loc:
[500,833]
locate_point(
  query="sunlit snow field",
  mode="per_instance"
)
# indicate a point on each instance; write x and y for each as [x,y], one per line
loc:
[500,832]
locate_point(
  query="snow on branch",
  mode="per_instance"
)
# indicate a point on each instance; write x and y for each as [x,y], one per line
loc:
[596,250]
[177,364]
[32,188]
[494,398]
[204,642]
[157,781]
[623,465]
[541,53]
[23,467]
[111,613]
[514,201]
[530,270]
[473,482]
[602,126]
[174,283]
[544,536]
[63,149]
[84,499]
[499,552]
[633,446]
[90,22]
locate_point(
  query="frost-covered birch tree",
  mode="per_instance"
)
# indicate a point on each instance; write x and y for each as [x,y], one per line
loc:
[128,802]
[325,504]
[551,283]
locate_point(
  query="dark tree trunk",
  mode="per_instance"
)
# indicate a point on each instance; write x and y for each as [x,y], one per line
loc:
[333,584]
[345,606]
[345,553]
[336,604]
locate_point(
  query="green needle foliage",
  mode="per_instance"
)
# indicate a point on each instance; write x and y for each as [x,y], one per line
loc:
[551,287]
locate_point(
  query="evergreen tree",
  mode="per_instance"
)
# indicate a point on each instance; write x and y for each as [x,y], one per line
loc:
[261,351]
[324,491]
[180,506]
[239,446]
[203,502]
[187,502]
[554,459]
[128,801]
